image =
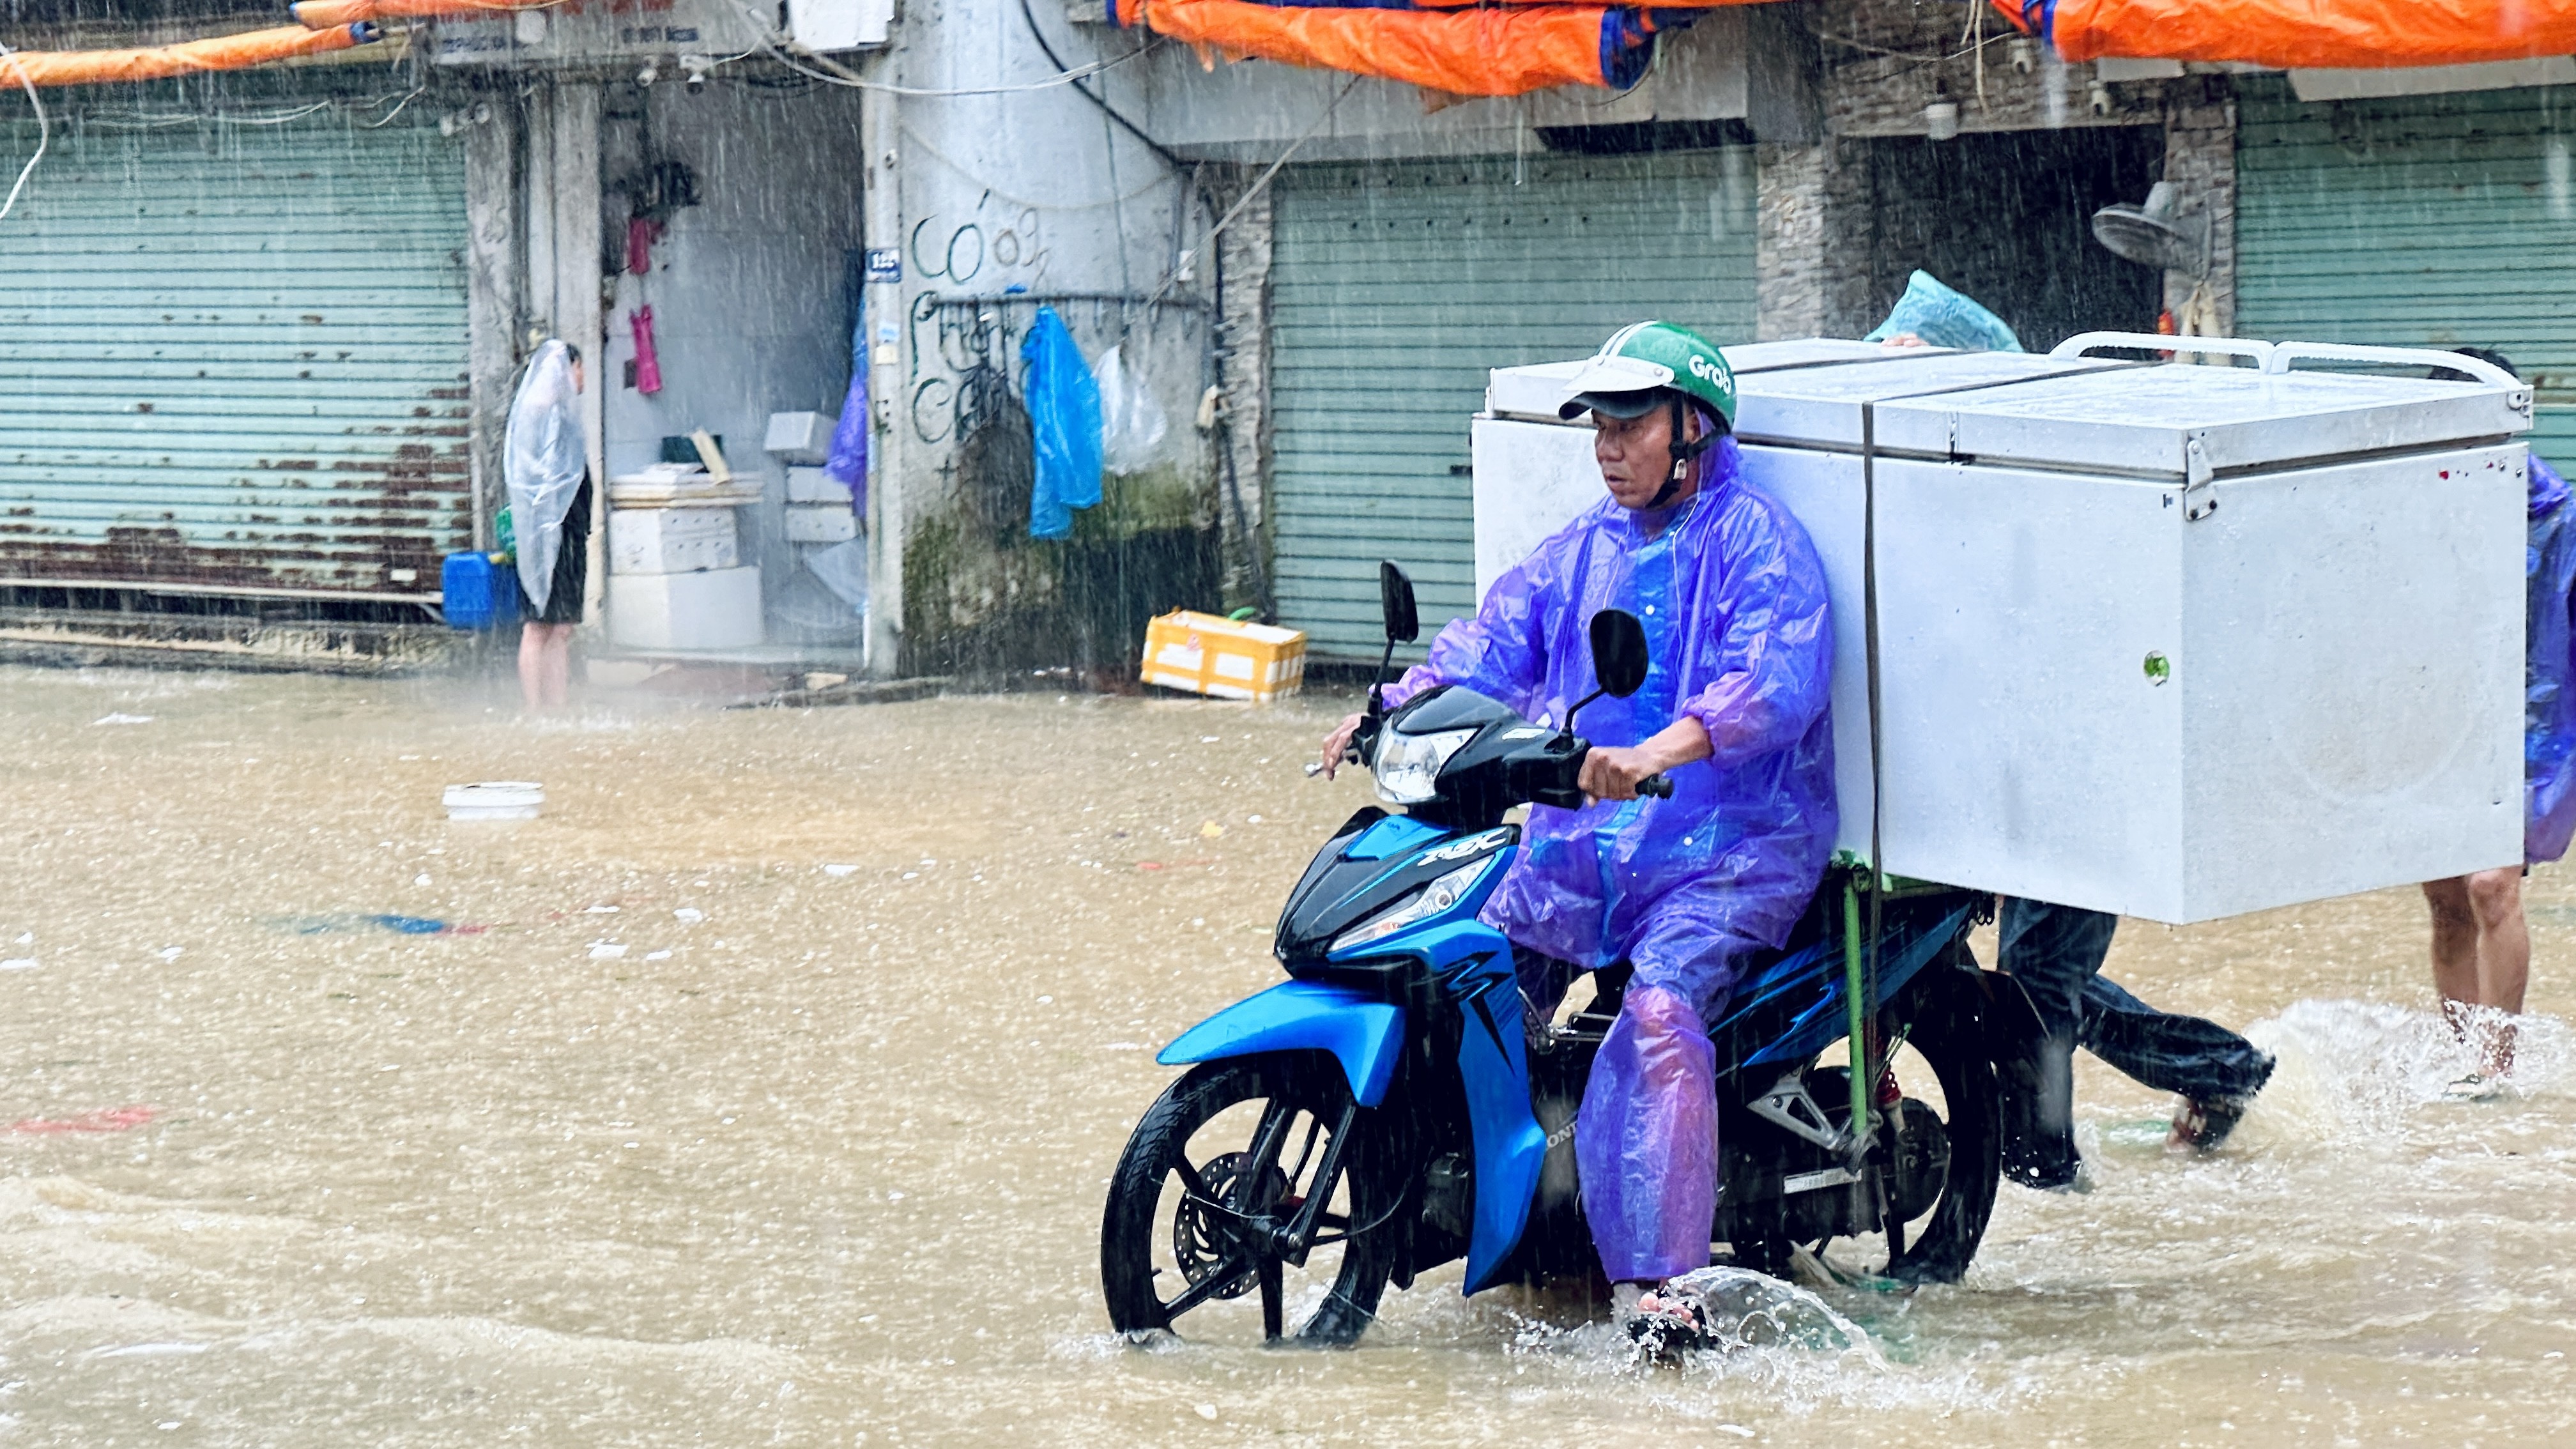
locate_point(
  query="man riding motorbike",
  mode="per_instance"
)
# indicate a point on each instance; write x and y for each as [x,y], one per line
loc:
[1732,598]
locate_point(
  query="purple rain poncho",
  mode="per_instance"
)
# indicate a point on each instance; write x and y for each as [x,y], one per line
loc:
[1733,603]
[2549,693]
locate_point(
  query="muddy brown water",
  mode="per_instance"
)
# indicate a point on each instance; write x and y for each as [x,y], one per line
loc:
[762,1092]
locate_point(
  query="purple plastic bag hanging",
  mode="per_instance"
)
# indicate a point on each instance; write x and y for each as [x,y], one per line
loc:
[848,464]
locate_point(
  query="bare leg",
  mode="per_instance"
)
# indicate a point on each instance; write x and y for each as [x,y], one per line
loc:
[2455,950]
[532,664]
[545,665]
[2504,960]
[558,666]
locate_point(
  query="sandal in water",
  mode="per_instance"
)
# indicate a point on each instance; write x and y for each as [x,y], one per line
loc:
[1665,1325]
[2475,1087]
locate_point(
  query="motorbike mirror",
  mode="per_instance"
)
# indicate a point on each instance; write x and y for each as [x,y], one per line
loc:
[1395,602]
[1403,625]
[1618,652]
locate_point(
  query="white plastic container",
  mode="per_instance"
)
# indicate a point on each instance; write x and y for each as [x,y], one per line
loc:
[495,800]
[671,540]
[813,485]
[2178,642]
[716,609]
[822,524]
[799,437]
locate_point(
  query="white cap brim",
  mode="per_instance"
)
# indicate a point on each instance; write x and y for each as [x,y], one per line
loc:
[1611,375]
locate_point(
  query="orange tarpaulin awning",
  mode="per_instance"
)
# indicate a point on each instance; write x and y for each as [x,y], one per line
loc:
[155,62]
[2303,34]
[1486,51]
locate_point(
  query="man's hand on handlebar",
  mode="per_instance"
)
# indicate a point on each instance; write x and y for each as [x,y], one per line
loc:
[1337,745]
[1613,772]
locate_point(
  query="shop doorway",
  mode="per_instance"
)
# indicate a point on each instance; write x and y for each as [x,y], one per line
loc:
[2006,217]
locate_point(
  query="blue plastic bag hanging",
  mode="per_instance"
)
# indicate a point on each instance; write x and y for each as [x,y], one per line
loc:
[1064,424]
[848,463]
[2549,676]
[1942,317]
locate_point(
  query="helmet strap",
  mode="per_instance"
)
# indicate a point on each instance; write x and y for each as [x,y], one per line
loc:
[1684,455]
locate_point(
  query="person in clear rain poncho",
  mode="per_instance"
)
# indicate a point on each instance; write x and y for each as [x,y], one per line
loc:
[1732,598]
[546,467]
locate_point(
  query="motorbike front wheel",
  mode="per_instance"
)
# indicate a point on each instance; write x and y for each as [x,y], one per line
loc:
[1213,1181]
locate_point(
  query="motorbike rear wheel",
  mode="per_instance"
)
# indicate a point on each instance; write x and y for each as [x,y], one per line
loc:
[1941,1013]
[1216,1169]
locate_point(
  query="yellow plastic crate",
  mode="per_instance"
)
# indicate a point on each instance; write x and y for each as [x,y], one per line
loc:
[1210,655]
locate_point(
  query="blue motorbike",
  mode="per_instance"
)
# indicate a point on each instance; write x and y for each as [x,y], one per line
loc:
[1393,1106]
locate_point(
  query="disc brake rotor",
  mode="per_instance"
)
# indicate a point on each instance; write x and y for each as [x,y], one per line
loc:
[1203,1240]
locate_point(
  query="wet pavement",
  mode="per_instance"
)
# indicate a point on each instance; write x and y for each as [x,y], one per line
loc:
[763,1092]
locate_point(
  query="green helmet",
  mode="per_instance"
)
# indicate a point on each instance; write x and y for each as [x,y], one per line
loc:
[1639,363]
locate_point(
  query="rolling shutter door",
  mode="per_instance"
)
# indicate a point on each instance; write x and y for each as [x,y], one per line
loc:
[2439,221]
[233,359]
[1395,286]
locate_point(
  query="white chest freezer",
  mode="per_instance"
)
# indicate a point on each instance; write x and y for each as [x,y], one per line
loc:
[2173,641]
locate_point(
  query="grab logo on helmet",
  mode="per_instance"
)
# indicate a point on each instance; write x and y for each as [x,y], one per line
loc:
[1705,370]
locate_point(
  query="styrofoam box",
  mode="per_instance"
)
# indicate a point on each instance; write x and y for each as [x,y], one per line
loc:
[813,485]
[717,609]
[799,437]
[824,524]
[671,540]
[2177,642]
[824,26]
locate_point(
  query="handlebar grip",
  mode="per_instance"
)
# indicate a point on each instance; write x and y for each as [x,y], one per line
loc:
[1656,785]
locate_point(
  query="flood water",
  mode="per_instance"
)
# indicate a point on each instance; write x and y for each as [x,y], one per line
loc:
[763,1092]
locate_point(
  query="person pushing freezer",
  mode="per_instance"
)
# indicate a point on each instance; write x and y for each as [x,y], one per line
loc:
[1733,601]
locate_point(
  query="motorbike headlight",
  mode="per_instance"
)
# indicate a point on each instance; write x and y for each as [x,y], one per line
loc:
[1441,895]
[1407,765]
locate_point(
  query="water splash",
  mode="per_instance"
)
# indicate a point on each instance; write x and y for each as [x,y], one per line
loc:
[1789,1346]
[2358,1072]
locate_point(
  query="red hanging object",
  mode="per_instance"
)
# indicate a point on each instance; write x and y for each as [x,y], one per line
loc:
[648,366]
[641,233]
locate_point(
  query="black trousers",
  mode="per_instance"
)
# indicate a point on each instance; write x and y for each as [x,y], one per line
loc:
[2056,953]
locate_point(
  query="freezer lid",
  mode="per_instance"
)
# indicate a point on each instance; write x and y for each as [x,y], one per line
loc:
[1536,391]
[1810,351]
[2147,420]
[1533,392]
[1821,406]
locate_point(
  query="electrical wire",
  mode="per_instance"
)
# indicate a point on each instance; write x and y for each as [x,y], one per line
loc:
[1158,148]
[148,120]
[914,138]
[1866,48]
[388,118]
[1255,189]
[44,130]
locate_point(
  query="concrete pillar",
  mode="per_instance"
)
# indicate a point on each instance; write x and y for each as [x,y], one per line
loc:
[1812,248]
[881,228]
[492,295]
[2200,159]
[1243,364]
[578,271]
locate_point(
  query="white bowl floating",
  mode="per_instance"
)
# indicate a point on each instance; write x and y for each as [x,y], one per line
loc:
[495,800]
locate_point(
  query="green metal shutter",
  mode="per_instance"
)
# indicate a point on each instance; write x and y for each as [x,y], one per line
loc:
[2443,221]
[1395,286]
[233,359]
